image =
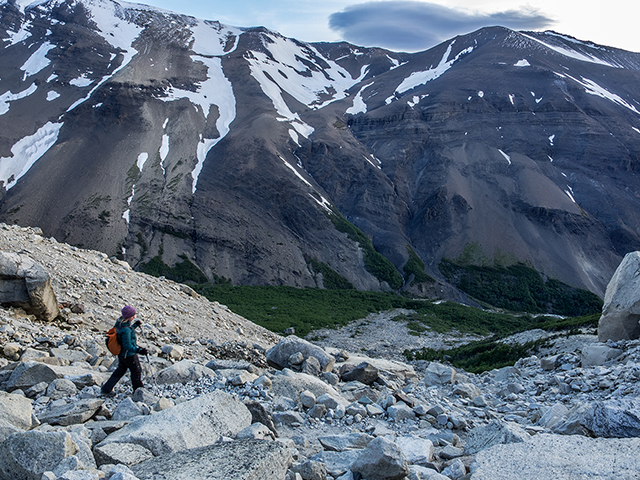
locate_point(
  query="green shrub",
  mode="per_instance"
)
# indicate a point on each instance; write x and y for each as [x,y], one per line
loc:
[375,263]
[415,267]
[520,288]
[330,278]
[183,272]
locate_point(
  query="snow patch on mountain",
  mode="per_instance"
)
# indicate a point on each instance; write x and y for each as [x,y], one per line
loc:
[420,78]
[592,88]
[286,69]
[52,95]
[571,53]
[26,152]
[522,63]
[211,38]
[81,82]
[20,35]
[507,157]
[7,97]
[37,61]
[358,102]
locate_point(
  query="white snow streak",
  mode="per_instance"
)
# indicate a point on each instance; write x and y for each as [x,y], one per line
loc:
[505,156]
[593,88]
[142,159]
[512,99]
[26,152]
[52,95]
[421,78]
[637,130]
[522,63]
[7,97]
[573,53]
[20,35]
[551,139]
[164,151]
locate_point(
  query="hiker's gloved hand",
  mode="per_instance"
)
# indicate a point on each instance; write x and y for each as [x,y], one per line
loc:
[143,351]
[137,323]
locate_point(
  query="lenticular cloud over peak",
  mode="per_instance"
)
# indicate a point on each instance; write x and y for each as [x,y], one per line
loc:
[414,26]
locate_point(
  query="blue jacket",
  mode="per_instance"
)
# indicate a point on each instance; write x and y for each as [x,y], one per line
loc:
[127,337]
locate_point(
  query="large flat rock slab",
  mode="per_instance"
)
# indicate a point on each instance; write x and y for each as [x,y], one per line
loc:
[239,460]
[560,457]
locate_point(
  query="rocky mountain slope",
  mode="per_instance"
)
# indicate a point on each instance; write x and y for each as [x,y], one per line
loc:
[228,400]
[148,134]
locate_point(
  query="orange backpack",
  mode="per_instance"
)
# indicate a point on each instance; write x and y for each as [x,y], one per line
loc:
[113,344]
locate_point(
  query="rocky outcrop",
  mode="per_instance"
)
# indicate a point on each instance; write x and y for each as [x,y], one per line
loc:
[25,283]
[620,318]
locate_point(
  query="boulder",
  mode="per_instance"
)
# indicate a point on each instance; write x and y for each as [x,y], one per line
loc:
[16,410]
[417,472]
[60,388]
[290,384]
[126,410]
[196,423]
[381,460]
[278,356]
[616,418]
[26,284]
[495,433]
[559,457]
[239,460]
[595,355]
[418,451]
[468,390]
[73,413]
[337,463]
[438,374]
[30,373]
[363,373]
[121,453]
[621,310]
[183,372]
[7,429]
[401,411]
[28,455]
[348,441]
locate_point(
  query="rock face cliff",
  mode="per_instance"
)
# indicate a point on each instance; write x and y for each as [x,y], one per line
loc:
[149,134]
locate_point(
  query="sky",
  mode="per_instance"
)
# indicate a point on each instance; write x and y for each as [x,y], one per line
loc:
[418,25]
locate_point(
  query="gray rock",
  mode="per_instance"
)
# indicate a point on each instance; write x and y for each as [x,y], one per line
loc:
[17,458]
[70,355]
[26,284]
[311,366]
[308,399]
[256,431]
[456,470]
[381,460]
[348,441]
[290,384]
[550,363]
[364,372]
[224,364]
[553,415]
[144,396]
[617,418]
[288,418]
[183,372]
[418,451]
[7,429]
[593,355]
[239,460]
[417,472]
[331,402]
[278,355]
[560,458]
[496,432]
[468,390]
[16,410]
[198,422]
[401,411]
[60,388]
[449,452]
[121,453]
[337,463]
[438,374]
[312,470]
[621,310]
[126,410]
[317,411]
[72,413]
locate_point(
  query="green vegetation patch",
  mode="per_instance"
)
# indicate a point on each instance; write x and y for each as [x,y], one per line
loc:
[375,263]
[520,288]
[490,353]
[331,279]
[415,267]
[183,272]
[278,308]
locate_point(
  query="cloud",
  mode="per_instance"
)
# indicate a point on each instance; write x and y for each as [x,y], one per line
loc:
[415,26]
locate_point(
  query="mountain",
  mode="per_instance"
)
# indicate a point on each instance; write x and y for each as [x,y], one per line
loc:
[262,160]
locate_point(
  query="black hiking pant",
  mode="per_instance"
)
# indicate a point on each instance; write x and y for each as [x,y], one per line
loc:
[132,364]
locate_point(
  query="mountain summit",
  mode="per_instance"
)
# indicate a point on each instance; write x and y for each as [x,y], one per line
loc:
[261,159]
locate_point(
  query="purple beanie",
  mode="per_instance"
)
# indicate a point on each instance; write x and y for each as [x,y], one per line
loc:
[128,312]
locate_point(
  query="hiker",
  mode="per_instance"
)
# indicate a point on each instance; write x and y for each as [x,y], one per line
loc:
[128,357]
